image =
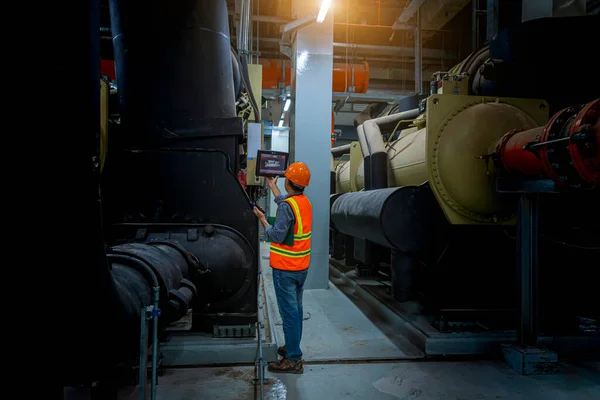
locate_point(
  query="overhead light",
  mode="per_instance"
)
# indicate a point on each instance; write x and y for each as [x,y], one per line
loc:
[287,105]
[282,115]
[280,123]
[323,11]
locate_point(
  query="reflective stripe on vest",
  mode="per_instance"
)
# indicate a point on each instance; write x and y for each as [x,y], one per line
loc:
[297,256]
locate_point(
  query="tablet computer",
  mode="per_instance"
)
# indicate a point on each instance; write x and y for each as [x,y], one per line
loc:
[271,163]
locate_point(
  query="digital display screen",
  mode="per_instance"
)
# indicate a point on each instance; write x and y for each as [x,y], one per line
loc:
[271,163]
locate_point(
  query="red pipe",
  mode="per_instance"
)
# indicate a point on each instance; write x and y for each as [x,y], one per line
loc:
[514,157]
[566,149]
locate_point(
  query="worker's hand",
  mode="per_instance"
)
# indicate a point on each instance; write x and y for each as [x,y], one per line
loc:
[272,182]
[258,213]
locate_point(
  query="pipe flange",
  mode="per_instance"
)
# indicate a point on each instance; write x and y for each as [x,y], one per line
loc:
[188,284]
[587,165]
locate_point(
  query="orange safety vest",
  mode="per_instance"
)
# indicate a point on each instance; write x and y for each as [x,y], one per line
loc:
[296,257]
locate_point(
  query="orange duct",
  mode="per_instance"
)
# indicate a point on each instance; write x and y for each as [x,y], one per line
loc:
[342,75]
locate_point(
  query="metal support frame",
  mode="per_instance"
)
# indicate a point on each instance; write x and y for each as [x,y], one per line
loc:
[528,269]
[149,313]
[259,365]
[526,357]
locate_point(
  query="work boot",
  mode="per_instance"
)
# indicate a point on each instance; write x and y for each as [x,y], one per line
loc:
[285,365]
[281,351]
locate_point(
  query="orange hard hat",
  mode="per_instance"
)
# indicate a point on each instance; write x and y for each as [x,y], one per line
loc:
[298,173]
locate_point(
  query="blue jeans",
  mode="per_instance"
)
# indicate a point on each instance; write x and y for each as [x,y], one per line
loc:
[289,286]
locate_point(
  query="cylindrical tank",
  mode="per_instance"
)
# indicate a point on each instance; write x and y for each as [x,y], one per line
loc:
[360,176]
[406,156]
[456,159]
[395,218]
[342,174]
[342,75]
[162,79]
[342,177]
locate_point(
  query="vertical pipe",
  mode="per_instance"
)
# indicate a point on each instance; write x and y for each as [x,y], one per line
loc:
[250,31]
[474,25]
[247,26]
[261,368]
[258,33]
[418,56]
[155,314]
[143,356]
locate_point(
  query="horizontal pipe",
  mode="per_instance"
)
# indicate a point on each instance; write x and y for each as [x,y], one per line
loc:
[387,27]
[434,54]
[407,51]
[378,125]
[389,122]
[341,150]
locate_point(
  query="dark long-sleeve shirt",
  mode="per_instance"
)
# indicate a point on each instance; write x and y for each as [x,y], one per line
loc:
[283,220]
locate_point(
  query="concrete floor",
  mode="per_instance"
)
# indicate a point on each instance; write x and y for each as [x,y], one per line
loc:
[335,329]
[386,381]
[339,340]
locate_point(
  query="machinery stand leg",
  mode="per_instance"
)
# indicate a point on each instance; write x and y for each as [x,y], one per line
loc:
[337,245]
[349,249]
[525,357]
[527,269]
[402,274]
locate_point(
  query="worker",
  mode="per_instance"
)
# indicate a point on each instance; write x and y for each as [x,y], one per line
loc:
[290,262]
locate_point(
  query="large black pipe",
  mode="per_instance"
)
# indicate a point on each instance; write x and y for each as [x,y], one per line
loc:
[396,218]
[225,276]
[135,269]
[173,63]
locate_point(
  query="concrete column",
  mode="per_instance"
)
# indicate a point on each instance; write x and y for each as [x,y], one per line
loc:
[310,126]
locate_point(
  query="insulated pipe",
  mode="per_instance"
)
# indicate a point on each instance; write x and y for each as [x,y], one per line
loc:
[395,218]
[141,275]
[362,141]
[341,150]
[389,122]
[377,159]
[373,147]
[161,64]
